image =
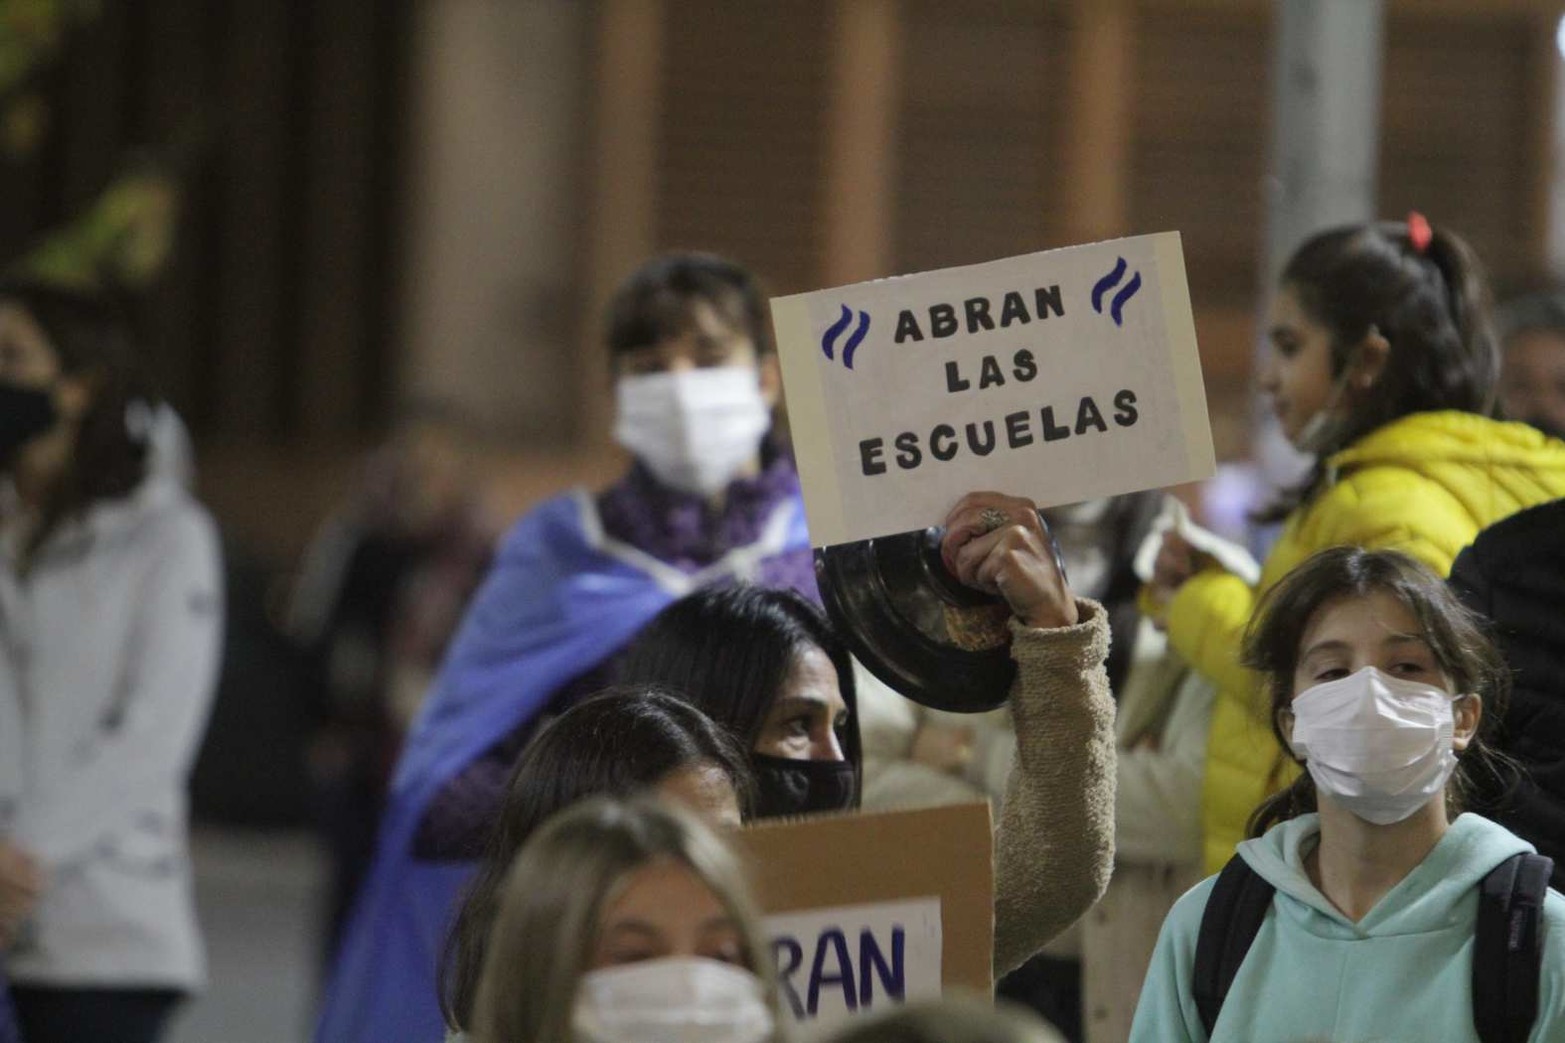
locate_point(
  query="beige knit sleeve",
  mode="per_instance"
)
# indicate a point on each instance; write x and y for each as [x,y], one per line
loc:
[1054,845]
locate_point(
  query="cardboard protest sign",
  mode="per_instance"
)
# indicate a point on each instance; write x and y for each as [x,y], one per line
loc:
[1064,376]
[875,910]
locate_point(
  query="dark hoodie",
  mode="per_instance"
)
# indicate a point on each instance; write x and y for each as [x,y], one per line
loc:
[1514,574]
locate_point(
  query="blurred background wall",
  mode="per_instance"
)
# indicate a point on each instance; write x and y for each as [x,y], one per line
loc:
[398,200]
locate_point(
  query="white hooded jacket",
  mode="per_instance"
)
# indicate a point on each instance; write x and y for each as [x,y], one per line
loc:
[109,651]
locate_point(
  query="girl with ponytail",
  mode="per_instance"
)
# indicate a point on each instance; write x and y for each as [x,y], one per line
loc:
[1384,367]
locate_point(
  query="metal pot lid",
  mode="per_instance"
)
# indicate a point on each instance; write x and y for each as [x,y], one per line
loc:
[914,626]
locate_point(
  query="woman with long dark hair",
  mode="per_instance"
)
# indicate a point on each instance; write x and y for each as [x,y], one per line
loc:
[111,618]
[766,664]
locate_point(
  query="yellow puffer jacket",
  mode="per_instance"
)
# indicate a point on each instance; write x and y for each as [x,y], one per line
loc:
[1425,484]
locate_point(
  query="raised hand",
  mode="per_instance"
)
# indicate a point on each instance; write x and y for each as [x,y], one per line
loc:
[996,543]
[1175,563]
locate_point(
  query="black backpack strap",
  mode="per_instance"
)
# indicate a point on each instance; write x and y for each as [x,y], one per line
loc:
[1508,948]
[1235,910]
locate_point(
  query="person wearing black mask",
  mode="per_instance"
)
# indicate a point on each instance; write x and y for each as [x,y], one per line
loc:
[765,663]
[766,666]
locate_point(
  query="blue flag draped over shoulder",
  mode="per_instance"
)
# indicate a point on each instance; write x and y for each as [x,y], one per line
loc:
[561,598]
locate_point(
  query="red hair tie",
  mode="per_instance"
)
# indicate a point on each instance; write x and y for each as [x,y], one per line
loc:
[1418,231]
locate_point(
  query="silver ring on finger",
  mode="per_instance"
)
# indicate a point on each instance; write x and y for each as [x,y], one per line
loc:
[992,518]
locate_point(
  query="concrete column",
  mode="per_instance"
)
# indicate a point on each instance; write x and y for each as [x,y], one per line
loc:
[1326,61]
[1550,139]
[621,209]
[1097,153]
[492,284]
[1325,120]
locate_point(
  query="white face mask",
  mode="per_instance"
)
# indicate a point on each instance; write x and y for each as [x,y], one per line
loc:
[672,1001]
[695,429]
[1322,432]
[1378,745]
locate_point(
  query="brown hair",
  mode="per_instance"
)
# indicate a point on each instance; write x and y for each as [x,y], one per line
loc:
[656,301]
[1455,635]
[554,897]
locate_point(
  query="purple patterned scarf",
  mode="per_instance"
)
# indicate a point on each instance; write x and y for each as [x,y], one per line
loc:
[684,530]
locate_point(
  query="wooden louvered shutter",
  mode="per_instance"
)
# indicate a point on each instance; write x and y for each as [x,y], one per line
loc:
[276,318]
[1198,152]
[1463,102]
[1197,165]
[742,147]
[979,129]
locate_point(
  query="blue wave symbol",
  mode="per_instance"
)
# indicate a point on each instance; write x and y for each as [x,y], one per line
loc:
[1117,308]
[836,329]
[1107,283]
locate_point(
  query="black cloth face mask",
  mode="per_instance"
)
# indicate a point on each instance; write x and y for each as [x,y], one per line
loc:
[790,787]
[25,413]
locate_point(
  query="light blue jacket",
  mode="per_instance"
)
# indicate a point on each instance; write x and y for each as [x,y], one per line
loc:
[1404,972]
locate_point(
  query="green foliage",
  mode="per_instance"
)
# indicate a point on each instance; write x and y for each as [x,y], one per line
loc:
[123,239]
[31,33]
[125,235]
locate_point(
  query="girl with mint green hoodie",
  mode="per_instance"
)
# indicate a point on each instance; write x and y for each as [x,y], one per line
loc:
[1378,681]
